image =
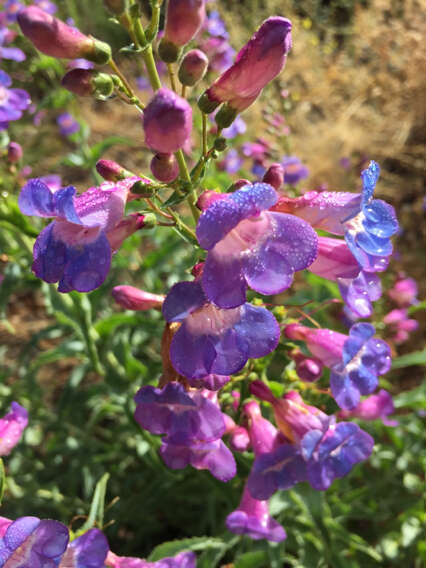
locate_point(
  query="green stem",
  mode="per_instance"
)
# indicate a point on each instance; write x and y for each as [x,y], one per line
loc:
[184,173]
[133,99]
[147,54]
[172,77]
[204,119]
[152,29]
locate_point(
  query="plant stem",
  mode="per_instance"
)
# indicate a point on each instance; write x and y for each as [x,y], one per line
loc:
[127,87]
[204,118]
[184,173]
[172,77]
[183,93]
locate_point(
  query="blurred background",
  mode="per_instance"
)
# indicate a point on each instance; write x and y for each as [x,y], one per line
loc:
[352,91]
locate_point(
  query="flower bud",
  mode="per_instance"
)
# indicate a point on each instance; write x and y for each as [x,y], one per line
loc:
[207,198]
[308,368]
[167,122]
[226,116]
[111,171]
[132,298]
[164,167]
[239,439]
[260,61]
[239,184]
[14,152]
[193,67]
[142,189]
[86,82]
[183,20]
[53,37]
[206,105]
[220,144]
[274,175]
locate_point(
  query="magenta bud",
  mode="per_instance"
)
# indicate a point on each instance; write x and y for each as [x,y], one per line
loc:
[132,298]
[193,67]
[14,152]
[308,368]
[274,175]
[183,20]
[53,37]
[208,197]
[240,183]
[239,439]
[167,122]
[164,167]
[259,389]
[111,171]
[260,61]
[197,270]
[86,82]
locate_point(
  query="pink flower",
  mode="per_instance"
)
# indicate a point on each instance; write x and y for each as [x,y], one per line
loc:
[132,298]
[375,407]
[11,427]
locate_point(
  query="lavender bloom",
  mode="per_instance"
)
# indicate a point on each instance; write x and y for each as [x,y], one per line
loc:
[253,519]
[184,418]
[87,551]
[358,293]
[232,162]
[294,170]
[260,60]
[210,382]
[213,456]
[14,152]
[67,124]
[215,26]
[250,246]
[12,426]
[76,248]
[12,101]
[181,560]
[237,127]
[52,181]
[12,53]
[213,340]
[30,542]
[375,407]
[12,9]
[167,122]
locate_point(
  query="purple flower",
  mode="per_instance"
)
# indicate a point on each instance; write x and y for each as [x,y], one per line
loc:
[219,52]
[237,127]
[67,124]
[181,560]
[404,292]
[87,551]
[80,64]
[215,26]
[12,101]
[213,456]
[400,325]
[355,361]
[256,150]
[375,407]
[167,122]
[294,170]
[12,9]
[232,162]
[250,246]
[183,417]
[192,67]
[75,249]
[12,53]
[359,292]
[211,340]
[143,83]
[259,61]
[29,542]
[46,6]
[12,426]
[252,518]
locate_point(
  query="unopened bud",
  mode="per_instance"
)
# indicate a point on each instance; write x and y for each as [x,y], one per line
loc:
[208,197]
[53,37]
[111,171]
[167,121]
[183,20]
[86,82]
[274,175]
[239,439]
[207,105]
[193,67]
[226,116]
[132,298]
[239,184]
[220,144]
[308,368]
[14,152]
[165,167]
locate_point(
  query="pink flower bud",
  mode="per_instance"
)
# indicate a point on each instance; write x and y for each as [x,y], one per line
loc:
[208,197]
[183,20]
[274,175]
[55,38]
[308,368]
[325,344]
[86,82]
[111,171]
[164,167]
[263,434]
[134,299]
[126,227]
[239,439]
[240,183]
[167,122]
[11,427]
[260,61]
[14,152]
[193,67]
[404,292]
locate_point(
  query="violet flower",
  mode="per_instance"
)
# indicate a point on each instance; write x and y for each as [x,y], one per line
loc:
[355,361]
[76,248]
[259,61]
[12,426]
[11,53]
[86,551]
[294,170]
[67,124]
[375,407]
[181,560]
[400,326]
[12,101]
[11,9]
[214,340]
[232,162]
[404,292]
[250,246]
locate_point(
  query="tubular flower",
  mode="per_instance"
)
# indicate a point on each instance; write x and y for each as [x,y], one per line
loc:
[12,101]
[12,426]
[250,246]
[211,340]
[76,248]
[259,61]
[355,361]
[375,407]
[133,298]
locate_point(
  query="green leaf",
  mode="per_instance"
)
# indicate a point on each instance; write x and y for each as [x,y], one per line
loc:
[175,546]
[255,559]
[417,307]
[175,198]
[415,358]
[97,508]
[109,324]
[414,398]
[100,148]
